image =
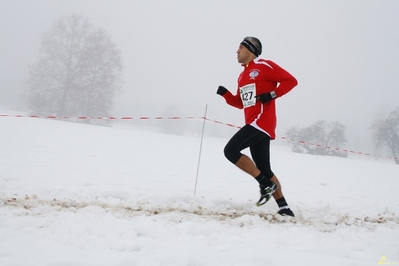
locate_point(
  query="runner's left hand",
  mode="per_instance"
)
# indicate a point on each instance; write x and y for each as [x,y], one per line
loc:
[264,98]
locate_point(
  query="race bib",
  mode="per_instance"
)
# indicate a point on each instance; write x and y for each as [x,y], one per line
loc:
[248,93]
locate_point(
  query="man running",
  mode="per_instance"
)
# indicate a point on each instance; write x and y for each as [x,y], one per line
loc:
[259,85]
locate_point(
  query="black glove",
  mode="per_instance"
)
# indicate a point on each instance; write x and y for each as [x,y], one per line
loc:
[265,97]
[221,90]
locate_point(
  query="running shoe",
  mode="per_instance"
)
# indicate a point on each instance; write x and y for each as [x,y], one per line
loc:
[266,192]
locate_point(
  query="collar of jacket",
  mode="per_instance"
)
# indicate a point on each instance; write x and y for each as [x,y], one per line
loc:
[246,65]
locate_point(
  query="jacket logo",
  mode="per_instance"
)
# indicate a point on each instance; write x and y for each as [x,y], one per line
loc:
[253,74]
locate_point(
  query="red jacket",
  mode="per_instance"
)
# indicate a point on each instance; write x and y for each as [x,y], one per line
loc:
[261,76]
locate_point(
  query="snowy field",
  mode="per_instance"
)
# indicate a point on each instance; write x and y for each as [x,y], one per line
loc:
[75,194]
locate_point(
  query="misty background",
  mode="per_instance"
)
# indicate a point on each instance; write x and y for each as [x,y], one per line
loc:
[176,53]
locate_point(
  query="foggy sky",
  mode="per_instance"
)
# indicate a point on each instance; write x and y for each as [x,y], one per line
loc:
[176,53]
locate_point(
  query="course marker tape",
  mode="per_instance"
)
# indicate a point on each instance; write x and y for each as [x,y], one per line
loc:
[187,117]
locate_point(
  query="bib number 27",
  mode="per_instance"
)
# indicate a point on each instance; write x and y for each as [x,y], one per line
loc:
[248,93]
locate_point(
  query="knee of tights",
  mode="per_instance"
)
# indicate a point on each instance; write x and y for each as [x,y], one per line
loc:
[231,155]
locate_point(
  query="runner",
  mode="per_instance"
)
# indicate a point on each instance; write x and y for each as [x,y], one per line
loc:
[259,85]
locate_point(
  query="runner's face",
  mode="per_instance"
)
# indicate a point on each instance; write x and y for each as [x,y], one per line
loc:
[244,56]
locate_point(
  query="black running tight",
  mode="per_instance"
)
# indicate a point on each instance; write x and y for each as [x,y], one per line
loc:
[259,146]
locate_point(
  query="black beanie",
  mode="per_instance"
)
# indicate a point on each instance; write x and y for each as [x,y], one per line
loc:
[247,43]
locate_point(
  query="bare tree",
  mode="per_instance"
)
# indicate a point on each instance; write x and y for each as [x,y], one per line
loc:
[78,71]
[386,133]
[320,138]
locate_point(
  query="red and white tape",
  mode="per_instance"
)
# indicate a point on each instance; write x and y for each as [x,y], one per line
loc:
[103,117]
[312,144]
[187,117]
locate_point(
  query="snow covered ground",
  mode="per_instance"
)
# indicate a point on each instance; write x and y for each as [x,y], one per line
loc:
[75,194]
